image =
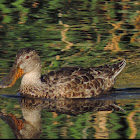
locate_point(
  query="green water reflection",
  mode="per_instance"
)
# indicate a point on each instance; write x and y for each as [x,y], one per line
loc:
[71,118]
[68,33]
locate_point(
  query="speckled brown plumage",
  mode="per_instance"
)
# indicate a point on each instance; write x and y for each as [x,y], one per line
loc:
[68,82]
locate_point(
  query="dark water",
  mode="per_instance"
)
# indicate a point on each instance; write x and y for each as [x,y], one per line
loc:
[68,33]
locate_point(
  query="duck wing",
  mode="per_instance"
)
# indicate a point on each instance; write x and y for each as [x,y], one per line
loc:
[75,82]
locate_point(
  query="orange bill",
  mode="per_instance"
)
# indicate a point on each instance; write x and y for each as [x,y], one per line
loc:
[11,78]
[16,122]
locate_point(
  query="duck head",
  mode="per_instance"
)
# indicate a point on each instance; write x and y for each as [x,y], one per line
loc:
[27,60]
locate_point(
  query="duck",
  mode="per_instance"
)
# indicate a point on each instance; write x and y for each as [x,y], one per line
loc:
[66,82]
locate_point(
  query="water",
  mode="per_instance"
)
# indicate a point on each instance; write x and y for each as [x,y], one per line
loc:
[113,116]
[68,33]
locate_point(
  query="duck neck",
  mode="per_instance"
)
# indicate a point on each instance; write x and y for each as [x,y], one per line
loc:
[32,78]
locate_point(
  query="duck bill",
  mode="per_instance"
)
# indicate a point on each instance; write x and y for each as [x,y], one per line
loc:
[11,78]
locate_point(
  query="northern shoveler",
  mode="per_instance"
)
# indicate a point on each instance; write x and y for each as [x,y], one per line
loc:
[68,82]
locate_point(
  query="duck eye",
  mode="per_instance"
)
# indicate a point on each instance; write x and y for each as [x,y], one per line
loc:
[27,57]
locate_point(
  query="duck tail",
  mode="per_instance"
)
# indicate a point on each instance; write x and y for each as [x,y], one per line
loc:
[118,67]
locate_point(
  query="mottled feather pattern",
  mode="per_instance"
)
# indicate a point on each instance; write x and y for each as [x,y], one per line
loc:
[74,82]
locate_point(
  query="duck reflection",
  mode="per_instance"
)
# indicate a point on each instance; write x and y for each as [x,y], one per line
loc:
[30,126]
